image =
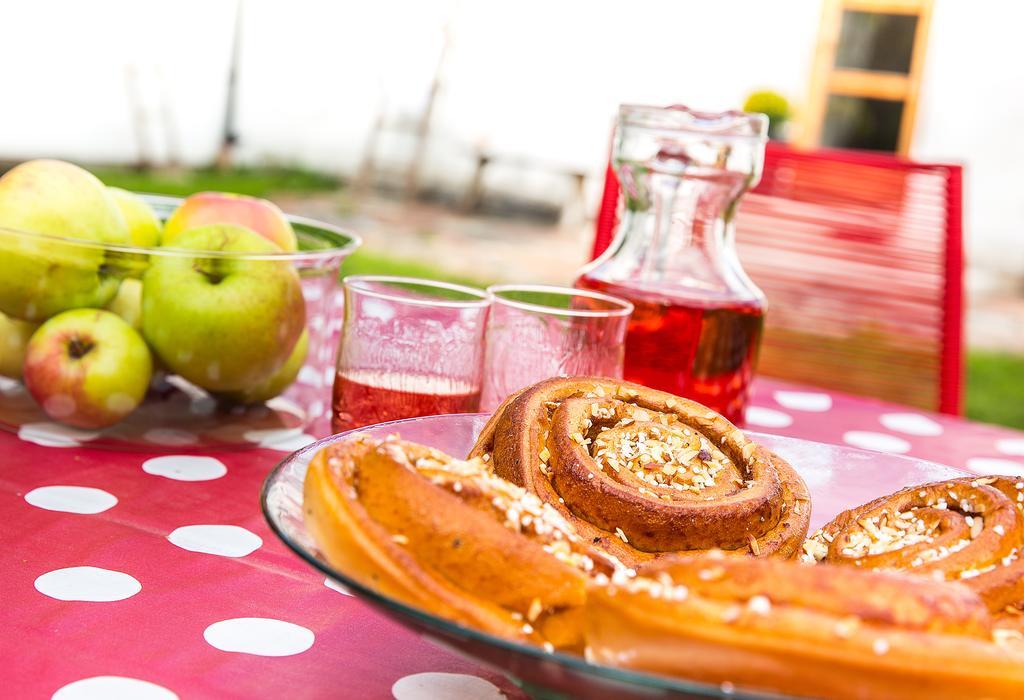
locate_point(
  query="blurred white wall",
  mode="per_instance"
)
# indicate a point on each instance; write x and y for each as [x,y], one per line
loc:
[533,80]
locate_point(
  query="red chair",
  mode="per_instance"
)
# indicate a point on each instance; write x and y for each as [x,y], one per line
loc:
[861,258]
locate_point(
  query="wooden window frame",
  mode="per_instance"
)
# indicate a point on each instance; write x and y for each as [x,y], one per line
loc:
[826,79]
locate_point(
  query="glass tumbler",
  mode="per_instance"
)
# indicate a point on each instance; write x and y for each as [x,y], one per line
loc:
[409,347]
[536,332]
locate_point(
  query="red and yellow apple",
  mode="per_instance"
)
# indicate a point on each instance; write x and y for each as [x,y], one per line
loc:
[223,322]
[87,368]
[205,208]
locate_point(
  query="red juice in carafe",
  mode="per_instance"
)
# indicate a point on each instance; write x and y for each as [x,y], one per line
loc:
[363,398]
[701,350]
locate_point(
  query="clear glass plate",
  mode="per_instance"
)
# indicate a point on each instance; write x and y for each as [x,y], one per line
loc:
[838,477]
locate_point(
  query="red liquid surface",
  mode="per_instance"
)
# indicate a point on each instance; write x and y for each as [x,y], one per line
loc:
[365,398]
[705,353]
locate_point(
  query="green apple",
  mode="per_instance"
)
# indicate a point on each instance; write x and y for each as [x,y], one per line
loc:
[14,335]
[127,303]
[258,215]
[87,368]
[278,381]
[227,321]
[44,275]
[143,226]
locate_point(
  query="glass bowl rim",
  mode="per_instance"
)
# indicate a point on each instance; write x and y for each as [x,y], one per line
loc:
[577,663]
[623,306]
[482,297]
[353,240]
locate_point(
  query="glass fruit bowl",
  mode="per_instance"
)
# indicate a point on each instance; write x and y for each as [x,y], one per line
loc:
[838,478]
[242,343]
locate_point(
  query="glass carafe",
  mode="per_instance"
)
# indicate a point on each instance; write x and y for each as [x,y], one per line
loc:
[698,320]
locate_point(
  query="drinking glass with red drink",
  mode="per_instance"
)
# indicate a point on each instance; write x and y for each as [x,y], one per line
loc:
[408,348]
[537,331]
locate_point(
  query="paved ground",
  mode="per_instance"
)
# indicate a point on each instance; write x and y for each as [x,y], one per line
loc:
[517,250]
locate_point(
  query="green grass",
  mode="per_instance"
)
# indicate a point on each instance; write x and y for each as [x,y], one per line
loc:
[366,262]
[995,388]
[257,182]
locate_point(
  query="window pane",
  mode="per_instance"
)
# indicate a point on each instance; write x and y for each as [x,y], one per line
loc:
[875,41]
[862,123]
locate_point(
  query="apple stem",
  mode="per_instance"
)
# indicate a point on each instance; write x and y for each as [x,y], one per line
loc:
[211,276]
[78,348]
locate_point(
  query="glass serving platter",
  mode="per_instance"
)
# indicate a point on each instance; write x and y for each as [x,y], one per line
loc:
[838,478]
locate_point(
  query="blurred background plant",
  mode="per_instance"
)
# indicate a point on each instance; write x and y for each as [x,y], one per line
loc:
[774,106]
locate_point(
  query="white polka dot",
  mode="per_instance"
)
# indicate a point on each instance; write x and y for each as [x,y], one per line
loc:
[283,405]
[185,467]
[202,406]
[329,373]
[312,292]
[335,586]
[296,442]
[768,417]
[281,439]
[995,465]
[317,322]
[316,409]
[911,424]
[55,434]
[812,401]
[87,583]
[113,688]
[260,636]
[120,402]
[9,387]
[71,499]
[444,686]
[170,437]
[1011,446]
[880,442]
[59,406]
[309,375]
[222,540]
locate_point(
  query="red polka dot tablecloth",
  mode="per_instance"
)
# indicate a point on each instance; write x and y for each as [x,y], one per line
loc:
[133,575]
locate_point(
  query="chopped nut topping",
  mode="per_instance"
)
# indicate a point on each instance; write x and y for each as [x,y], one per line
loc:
[1002,635]
[846,627]
[759,605]
[536,607]
[712,574]
[661,456]
[731,614]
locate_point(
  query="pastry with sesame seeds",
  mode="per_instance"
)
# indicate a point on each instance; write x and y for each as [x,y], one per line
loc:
[449,537]
[776,626]
[645,474]
[969,529]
